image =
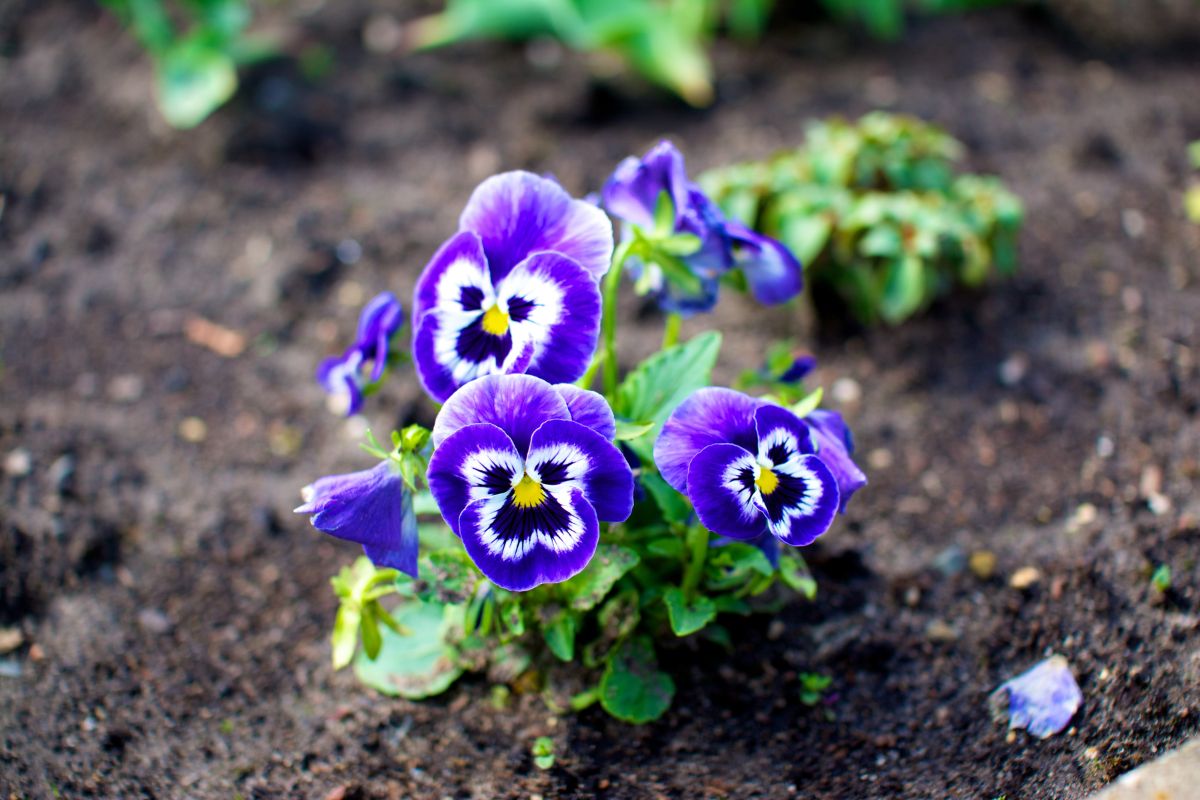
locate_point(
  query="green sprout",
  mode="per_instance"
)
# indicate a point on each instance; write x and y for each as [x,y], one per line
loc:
[1161,578]
[543,752]
[813,686]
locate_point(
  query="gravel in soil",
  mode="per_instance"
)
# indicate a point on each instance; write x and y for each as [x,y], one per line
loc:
[1033,450]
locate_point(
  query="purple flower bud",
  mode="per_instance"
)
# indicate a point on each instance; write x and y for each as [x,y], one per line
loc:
[342,376]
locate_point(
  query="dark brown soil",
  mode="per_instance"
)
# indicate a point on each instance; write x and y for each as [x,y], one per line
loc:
[175,613]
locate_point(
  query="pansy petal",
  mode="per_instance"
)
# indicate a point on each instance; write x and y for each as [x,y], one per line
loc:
[553,306]
[772,272]
[456,278]
[379,321]
[517,404]
[339,376]
[567,454]
[474,463]
[1043,699]
[708,416]
[835,446]
[721,487]
[452,349]
[802,501]
[366,507]
[519,548]
[516,214]
[589,408]
[632,193]
[402,553]
[781,434]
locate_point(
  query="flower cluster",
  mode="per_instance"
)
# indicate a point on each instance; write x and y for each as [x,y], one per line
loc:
[526,465]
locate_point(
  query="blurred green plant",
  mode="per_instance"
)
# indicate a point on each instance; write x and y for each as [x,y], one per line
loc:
[875,211]
[665,40]
[196,46]
[1191,200]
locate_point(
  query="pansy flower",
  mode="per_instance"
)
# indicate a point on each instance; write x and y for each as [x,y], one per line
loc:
[373,508]
[633,194]
[342,376]
[751,467]
[514,291]
[524,472]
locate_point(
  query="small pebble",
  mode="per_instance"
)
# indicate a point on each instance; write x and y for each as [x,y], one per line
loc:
[1013,369]
[62,473]
[950,561]
[152,620]
[982,563]
[940,631]
[1025,577]
[126,388]
[1134,223]
[193,429]
[10,668]
[348,251]
[879,458]
[10,639]
[846,391]
[18,463]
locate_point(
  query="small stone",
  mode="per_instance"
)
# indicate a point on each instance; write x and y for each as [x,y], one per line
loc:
[62,473]
[193,429]
[10,668]
[1105,447]
[18,463]
[152,620]
[982,563]
[1025,577]
[1013,369]
[950,561]
[348,251]
[879,458]
[940,631]
[382,33]
[775,630]
[36,653]
[1134,223]
[846,391]
[10,639]
[126,388]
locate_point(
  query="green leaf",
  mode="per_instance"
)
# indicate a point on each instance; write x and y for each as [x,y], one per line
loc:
[660,383]
[688,617]
[681,244]
[809,403]
[513,617]
[1191,202]
[193,80]
[670,547]
[617,619]
[628,431]
[794,572]
[740,556]
[370,632]
[560,634]
[589,587]
[882,241]
[632,688]
[1194,154]
[420,664]
[674,506]
[903,289]
[345,634]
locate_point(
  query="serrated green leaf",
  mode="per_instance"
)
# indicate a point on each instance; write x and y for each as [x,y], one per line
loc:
[420,664]
[632,688]
[740,556]
[794,572]
[628,431]
[674,506]
[559,634]
[660,383]
[686,616]
[589,587]
[345,634]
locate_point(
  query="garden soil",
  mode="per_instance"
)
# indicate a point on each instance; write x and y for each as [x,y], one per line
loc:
[1033,448]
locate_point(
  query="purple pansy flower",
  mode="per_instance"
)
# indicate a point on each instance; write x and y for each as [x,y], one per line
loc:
[342,376]
[1041,700]
[524,472]
[751,467]
[373,508]
[632,195]
[515,289]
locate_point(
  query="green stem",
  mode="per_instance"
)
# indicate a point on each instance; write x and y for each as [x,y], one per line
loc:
[608,325]
[671,332]
[697,541]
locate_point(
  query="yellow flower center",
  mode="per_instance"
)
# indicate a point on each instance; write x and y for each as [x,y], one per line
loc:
[495,321]
[528,493]
[767,481]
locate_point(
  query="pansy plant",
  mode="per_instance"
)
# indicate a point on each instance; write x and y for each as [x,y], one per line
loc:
[539,522]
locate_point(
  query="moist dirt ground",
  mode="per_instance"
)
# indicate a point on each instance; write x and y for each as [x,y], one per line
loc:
[165,615]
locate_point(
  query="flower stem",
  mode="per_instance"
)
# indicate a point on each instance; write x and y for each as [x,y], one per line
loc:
[697,542]
[608,325]
[671,332]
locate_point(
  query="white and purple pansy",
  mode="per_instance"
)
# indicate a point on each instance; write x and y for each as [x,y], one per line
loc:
[633,193]
[342,376]
[373,508]
[524,472]
[515,290]
[751,467]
